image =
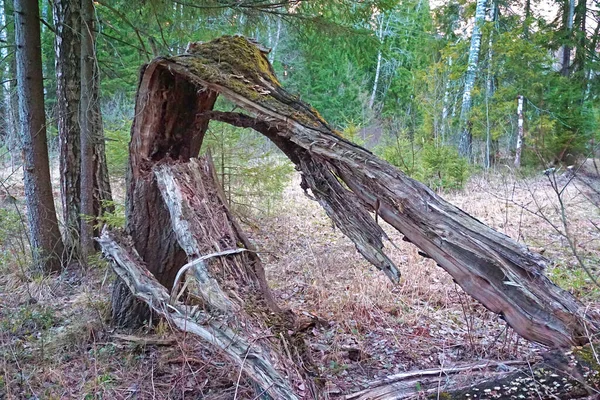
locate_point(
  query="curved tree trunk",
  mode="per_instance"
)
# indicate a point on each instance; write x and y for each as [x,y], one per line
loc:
[175,216]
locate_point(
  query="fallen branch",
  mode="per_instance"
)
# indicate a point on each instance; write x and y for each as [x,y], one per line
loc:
[247,354]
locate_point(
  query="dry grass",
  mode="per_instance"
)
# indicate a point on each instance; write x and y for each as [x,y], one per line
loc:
[59,345]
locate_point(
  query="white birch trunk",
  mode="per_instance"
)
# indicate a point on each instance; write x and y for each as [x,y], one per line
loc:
[567,49]
[276,43]
[378,70]
[520,132]
[489,88]
[464,147]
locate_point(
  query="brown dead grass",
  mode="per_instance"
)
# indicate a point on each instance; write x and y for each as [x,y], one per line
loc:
[60,345]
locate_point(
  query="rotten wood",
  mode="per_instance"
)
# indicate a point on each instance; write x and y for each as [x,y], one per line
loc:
[560,375]
[250,354]
[174,104]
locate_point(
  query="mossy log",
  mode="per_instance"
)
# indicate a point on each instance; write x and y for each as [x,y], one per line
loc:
[573,374]
[174,104]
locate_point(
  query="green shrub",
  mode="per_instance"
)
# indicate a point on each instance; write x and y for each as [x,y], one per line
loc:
[438,166]
[443,168]
[251,170]
[117,146]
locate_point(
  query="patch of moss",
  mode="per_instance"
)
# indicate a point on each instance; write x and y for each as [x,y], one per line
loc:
[589,364]
[239,65]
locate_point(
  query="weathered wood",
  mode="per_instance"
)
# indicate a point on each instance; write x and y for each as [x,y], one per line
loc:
[248,353]
[560,375]
[165,126]
[348,181]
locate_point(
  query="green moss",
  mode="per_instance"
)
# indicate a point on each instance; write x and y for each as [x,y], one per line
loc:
[239,65]
[589,366]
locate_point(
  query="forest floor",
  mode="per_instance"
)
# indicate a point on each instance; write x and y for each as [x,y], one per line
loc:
[56,341]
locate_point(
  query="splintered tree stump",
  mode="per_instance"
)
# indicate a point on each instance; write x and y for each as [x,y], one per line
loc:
[175,101]
[228,301]
[177,218]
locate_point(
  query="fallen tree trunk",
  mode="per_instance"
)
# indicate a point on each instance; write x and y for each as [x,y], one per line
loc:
[174,104]
[560,375]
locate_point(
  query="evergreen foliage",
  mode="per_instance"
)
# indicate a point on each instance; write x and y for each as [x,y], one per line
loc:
[377,68]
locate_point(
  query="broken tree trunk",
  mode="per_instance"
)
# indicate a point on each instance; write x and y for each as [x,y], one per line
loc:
[174,104]
[234,309]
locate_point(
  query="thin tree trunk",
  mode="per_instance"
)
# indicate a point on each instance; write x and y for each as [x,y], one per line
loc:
[378,68]
[46,240]
[102,191]
[594,44]
[446,104]
[95,186]
[526,19]
[87,132]
[465,147]
[520,132]
[67,22]
[566,61]
[489,86]
[13,139]
[276,42]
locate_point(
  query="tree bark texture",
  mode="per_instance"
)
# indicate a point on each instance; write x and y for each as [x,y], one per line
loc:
[520,131]
[46,241]
[87,132]
[465,146]
[67,43]
[174,103]
[234,308]
[95,185]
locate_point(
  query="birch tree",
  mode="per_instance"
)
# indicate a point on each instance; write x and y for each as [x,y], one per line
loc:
[520,132]
[465,142]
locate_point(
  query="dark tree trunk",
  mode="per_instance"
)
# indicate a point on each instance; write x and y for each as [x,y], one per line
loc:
[67,23]
[581,51]
[87,132]
[46,240]
[95,186]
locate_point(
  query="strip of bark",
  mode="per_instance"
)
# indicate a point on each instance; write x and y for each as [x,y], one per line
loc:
[246,353]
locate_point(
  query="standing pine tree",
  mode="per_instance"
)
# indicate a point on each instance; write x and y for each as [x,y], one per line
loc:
[45,236]
[67,23]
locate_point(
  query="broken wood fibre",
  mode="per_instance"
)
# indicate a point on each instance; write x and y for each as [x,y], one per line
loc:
[174,104]
[348,181]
